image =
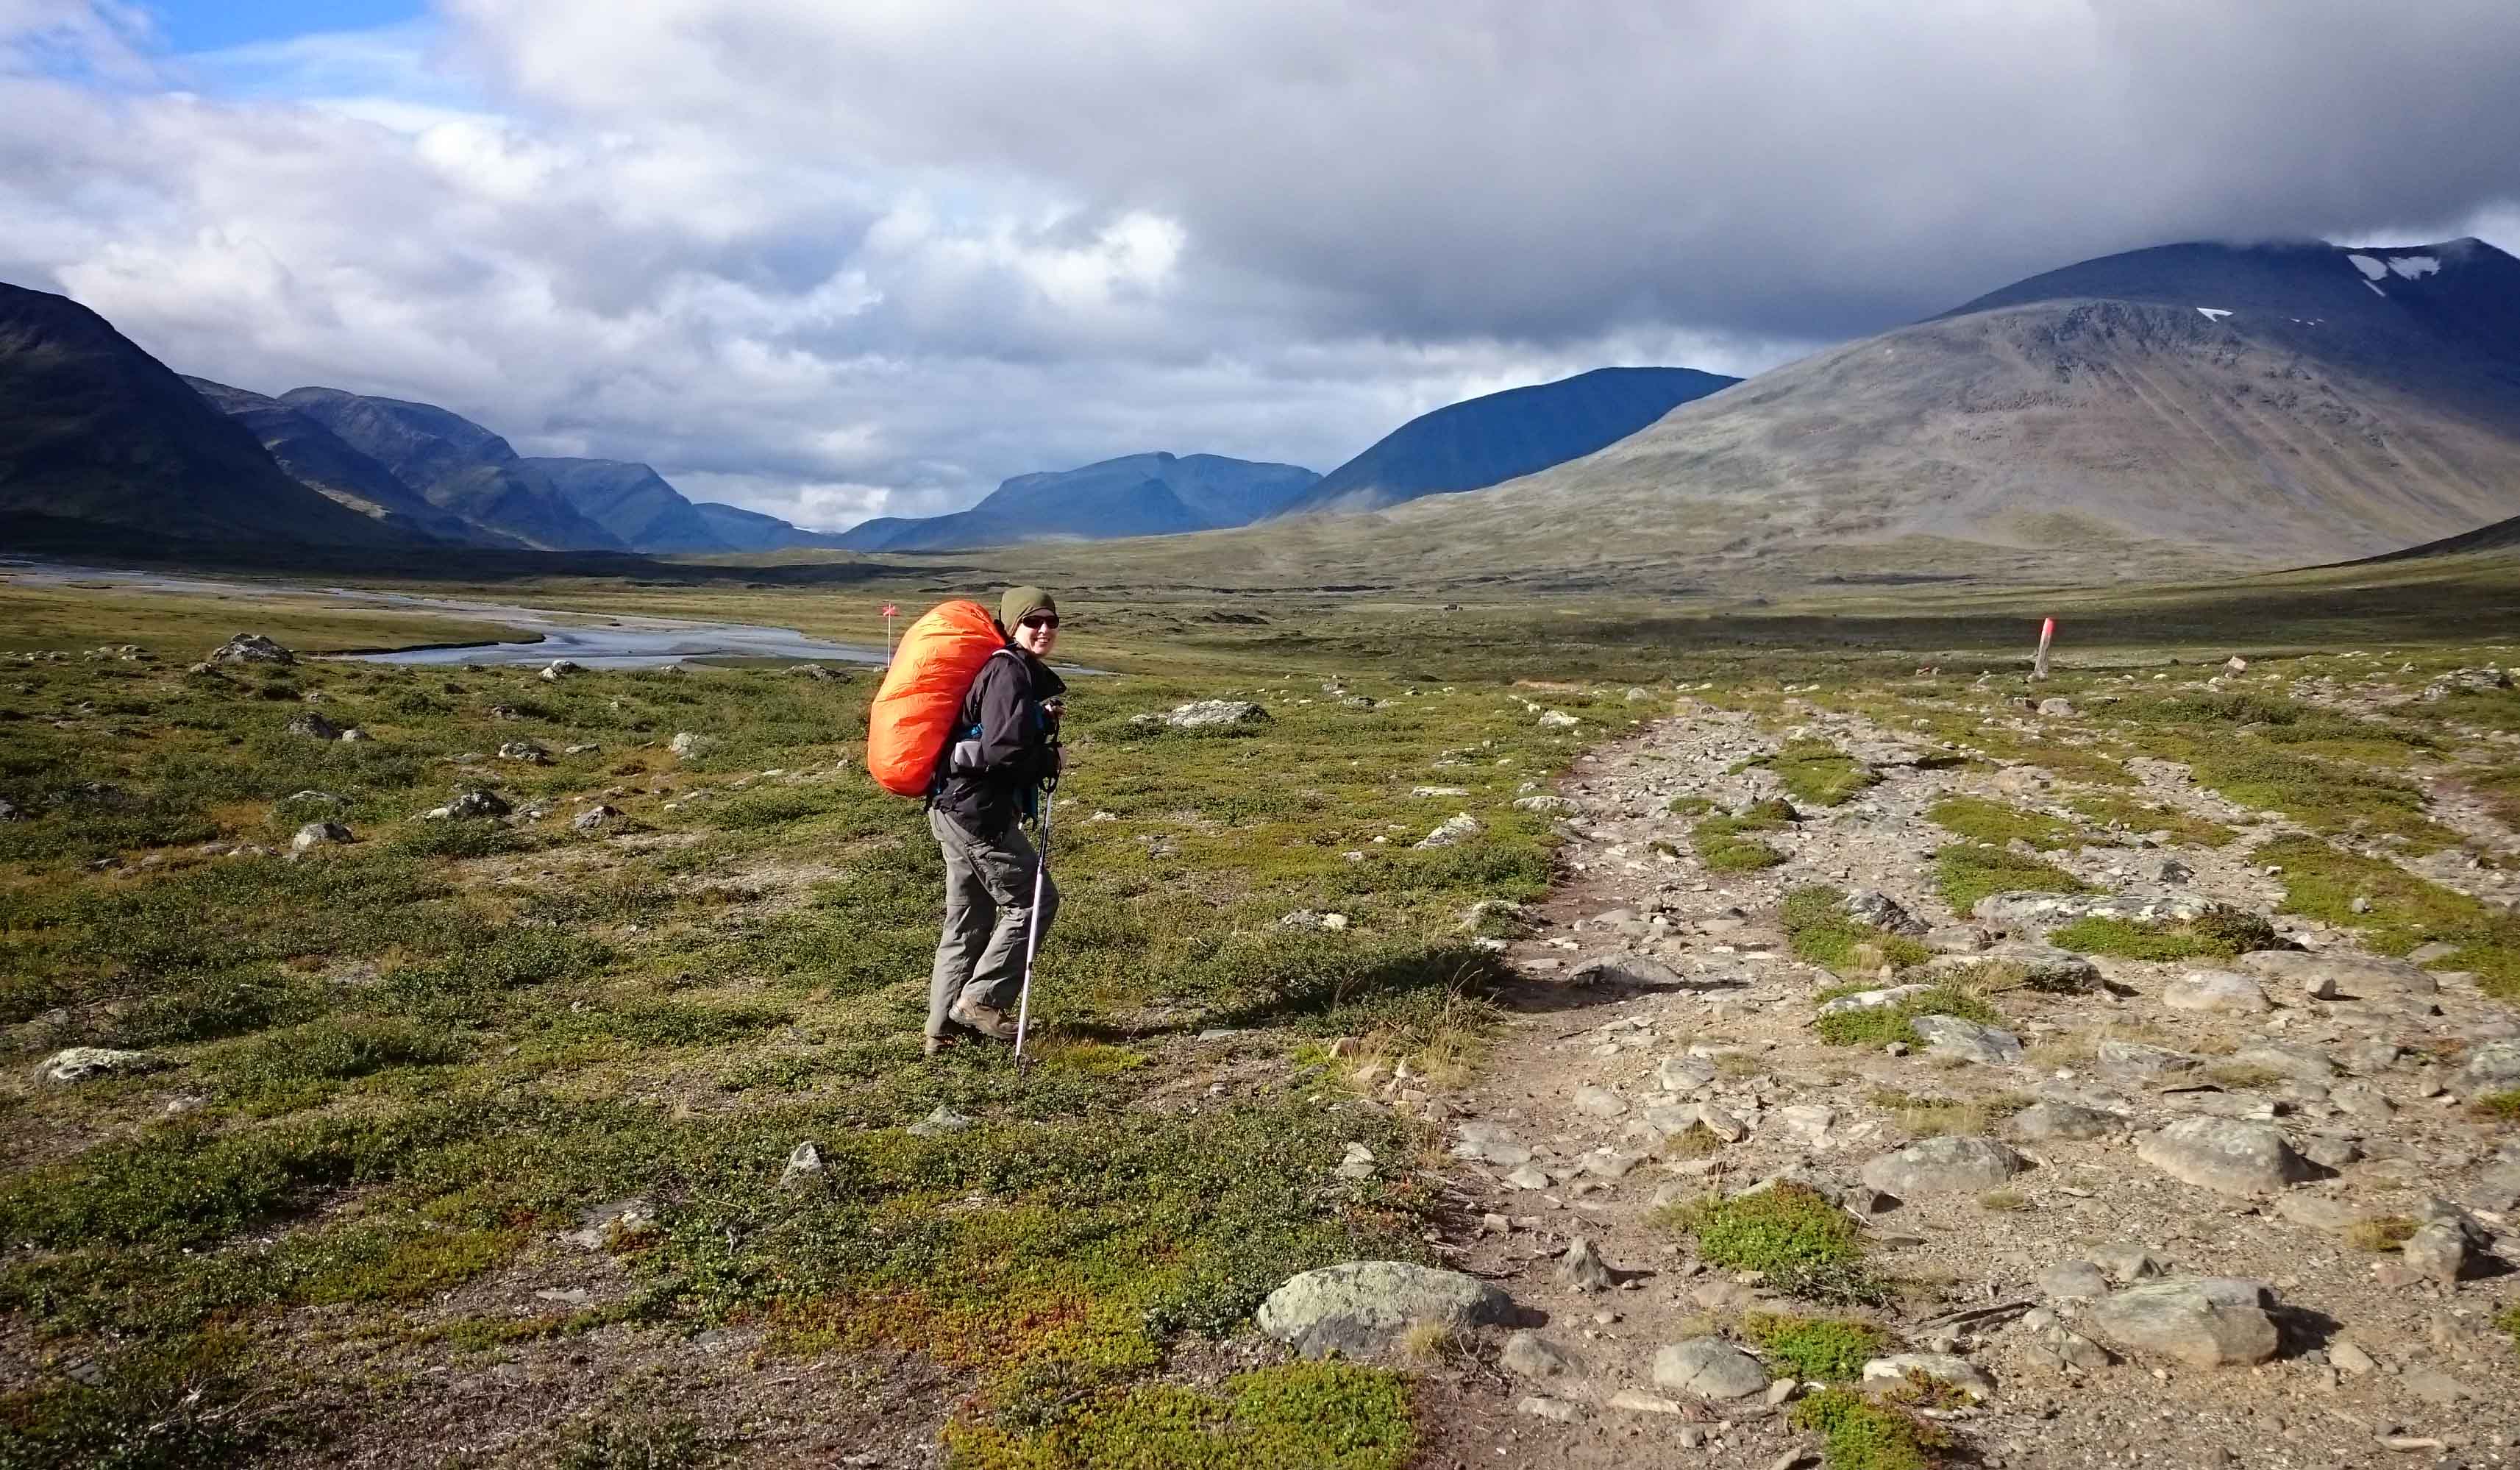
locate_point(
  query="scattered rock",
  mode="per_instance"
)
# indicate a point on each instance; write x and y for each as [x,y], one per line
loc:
[2126,1261]
[1639,971]
[1948,1165]
[2341,972]
[2056,709]
[595,819]
[1599,1101]
[251,648]
[79,1063]
[1966,1041]
[2203,1321]
[1208,714]
[1455,830]
[1356,1164]
[469,804]
[1940,1367]
[686,745]
[309,726]
[1639,1401]
[2214,990]
[525,752]
[1528,1355]
[2135,1060]
[2224,1154]
[2073,1282]
[2494,1067]
[315,834]
[1558,720]
[942,1120]
[1360,1309]
[804,1167]
[557,669]
[1556,1411]
[1867,906]
[1708,1368]
[1684,1074]
[2049,1121]
[1583,1268]
[1492,1143]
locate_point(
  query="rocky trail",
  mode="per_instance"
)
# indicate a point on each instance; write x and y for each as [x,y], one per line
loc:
[2220,1212]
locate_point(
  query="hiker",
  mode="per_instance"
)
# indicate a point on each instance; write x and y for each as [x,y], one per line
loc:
[1003,755]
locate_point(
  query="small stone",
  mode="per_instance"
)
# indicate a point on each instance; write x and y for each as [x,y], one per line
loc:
[2220,991]
[1637,1400]
[2126,1261]
[1966,1041]
[1357,1164]
[1528,1355]
[1528,1176]
[2436,1388]
[313,726]
[1599,1101]
[1583,1268]
[1453,832]
[2438,1251]
[942,1120]
[2069,1122]
[1684,1074]
[595,819]
[804,1167]
[1708,1368]
[315,834]
[2352,1358]
[1491,1143]
[687,744]
[1556,1410]
[1940,1367]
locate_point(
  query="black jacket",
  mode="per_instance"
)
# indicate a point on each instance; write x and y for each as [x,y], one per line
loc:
[986,780]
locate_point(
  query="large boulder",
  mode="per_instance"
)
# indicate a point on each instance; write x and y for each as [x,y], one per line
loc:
[79,1063]
[251,648]
[2225,1155]
[1362,1307]
[2202,1322]
[315,834]
[1636,971]
[2050,1121]
[2494,1067]
[1949,1165]
[1708,1368]
[313,726]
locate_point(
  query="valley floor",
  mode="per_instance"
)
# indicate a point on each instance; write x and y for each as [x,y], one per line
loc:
[594,1133]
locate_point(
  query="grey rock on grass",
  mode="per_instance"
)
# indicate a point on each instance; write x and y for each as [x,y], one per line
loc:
[251,648]
[469,805]
[1957,1373]
[2202,1322]
[2071,1121]
[315,834]
[1528,1355]
[79,1063]
[1949,1165]
[1967,1040]
[1708,1368]
[1208,714]
[1363,1306]
[313,726]
[2224,1154]
[2354,974]
[2216,990]
[1454,830]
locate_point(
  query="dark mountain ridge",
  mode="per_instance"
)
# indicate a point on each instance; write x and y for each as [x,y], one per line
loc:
[1503,435]
[457,466]
[94,430]
[1135,496]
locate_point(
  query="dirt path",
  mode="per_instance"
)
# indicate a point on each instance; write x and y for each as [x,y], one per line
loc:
[1596,1075]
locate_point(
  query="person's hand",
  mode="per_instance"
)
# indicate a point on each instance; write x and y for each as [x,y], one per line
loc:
[1053,707]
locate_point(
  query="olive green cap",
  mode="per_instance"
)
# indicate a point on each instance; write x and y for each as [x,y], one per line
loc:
[1020,603]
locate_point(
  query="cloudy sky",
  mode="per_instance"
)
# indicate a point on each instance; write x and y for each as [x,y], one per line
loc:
[840,260]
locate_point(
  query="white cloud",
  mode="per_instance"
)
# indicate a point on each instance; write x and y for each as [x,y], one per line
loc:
[840,260]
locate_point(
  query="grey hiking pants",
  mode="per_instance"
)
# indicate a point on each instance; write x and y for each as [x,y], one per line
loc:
[988,906]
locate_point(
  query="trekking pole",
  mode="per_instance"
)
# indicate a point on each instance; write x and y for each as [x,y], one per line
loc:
[1032,931]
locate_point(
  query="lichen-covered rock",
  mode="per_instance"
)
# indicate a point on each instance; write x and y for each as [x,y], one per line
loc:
[310,725]
[251,648]
[1949,1165]
[469,805]
[1708,1368]
[1454,830]
[79,1063]
[315,834]
[1966,1041]
[2202,1322]
[1362,1307]
[2225,1155]
[1207,714]
[2045,1122]
[2339,972]
[2214,990]
[1955,1373]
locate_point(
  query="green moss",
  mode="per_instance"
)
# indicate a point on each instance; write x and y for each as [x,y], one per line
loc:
[1334,1416]
[2218,932]
[1804,1245]
[2403,911]
[1688,806]
[1981,821]
[1727,844]
[1819,774]
[636,1440]
[1828,1348]
[1821,930]
[1884,1024]
[1858,1433]
[2497,1107]
[158,1406]
[2146,817]
[2320,795]
[1966,872]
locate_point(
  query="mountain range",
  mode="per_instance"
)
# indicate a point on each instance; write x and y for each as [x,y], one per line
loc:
[2187,410]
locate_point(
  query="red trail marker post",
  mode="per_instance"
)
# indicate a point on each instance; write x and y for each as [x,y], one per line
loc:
[2039,665]
[890,612]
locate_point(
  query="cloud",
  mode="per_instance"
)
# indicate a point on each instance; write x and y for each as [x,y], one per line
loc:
[839,260]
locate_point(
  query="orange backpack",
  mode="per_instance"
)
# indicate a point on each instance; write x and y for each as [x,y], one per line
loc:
[913,713]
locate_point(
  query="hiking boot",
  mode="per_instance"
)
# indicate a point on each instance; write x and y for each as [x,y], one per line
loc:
[996,1025]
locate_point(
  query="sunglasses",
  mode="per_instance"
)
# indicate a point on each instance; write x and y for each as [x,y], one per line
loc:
[1042,619]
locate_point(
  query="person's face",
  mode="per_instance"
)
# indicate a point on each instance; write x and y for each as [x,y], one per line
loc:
[1037,632]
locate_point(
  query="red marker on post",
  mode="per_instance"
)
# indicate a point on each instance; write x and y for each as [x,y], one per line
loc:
[890,612]
[2039,665]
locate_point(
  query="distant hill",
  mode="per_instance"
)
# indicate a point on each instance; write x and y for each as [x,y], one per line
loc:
[316,458]
[1499,437]
[634,503]
[457,466]
[2176,412]
[752,531]
[1136,495]
[96,433]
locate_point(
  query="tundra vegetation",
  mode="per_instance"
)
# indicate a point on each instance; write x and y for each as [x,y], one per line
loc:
[622,1090]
